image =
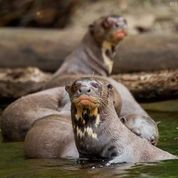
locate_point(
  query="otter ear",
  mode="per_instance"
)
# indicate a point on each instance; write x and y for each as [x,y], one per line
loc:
[123,120]
[106,23]
[91,28]
[67,88]
[110,87]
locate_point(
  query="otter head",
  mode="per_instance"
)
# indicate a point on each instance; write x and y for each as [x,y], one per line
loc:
[109,28]
[108,31]
[88,97]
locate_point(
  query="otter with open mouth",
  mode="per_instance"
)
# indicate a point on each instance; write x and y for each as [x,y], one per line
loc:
[54,127]
[97,48]
[99,133]
[22,114]
[95,54]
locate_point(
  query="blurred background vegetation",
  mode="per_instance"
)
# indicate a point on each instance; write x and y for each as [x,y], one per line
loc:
[142,15]
[59,26]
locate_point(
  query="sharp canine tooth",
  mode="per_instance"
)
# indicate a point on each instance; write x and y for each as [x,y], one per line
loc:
[90,132]
[97,120]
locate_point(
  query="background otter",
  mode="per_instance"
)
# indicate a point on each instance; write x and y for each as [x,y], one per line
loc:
[97,49]
[98,131]
[95,53]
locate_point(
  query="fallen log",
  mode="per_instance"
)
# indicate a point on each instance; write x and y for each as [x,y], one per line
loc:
[145,87]
[47,49]
[15,83]
[38,48]
[148,87]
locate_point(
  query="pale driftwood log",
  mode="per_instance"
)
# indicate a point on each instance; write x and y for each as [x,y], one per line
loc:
[155,86]
[15,83]
[47,49]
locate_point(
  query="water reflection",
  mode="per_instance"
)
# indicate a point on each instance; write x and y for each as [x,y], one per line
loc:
[14,165]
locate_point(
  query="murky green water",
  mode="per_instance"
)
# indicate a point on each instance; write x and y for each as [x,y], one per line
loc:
[14,165]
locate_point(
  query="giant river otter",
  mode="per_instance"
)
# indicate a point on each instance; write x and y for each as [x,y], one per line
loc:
[98,131]
[96,51]
[51,137]
[19,116]
[94,55]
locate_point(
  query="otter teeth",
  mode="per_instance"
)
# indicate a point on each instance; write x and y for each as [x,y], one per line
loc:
[97,120]
[88,131]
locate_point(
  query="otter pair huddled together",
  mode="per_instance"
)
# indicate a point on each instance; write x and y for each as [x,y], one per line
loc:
[96,131]
[99,132]
[94,55]
[44,118]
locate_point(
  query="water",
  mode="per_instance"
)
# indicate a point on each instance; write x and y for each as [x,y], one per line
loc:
[14,165]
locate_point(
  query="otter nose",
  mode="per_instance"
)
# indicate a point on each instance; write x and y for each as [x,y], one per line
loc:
[84,90]
[122,23]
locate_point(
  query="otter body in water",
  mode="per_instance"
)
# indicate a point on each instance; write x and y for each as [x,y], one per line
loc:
[94,55]
[142,126]
[99,133]
[18,117]
[50,138]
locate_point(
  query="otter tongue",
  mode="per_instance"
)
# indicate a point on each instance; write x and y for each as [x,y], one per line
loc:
[85,102]
[120,34]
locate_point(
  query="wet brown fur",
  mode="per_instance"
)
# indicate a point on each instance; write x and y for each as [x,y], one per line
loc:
[111,133]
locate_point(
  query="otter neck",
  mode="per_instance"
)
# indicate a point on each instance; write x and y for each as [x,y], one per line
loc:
[91,131]
[92,117]
[82,118]
[91,57]
[100,55]
[85,121]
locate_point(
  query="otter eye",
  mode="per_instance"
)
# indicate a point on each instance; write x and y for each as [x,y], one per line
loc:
[95,85]
[123,120]
[109,86]
[117,25]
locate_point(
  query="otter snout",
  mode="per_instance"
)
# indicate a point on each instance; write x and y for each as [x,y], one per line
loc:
[86,87]
[84,93]
[84,90]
